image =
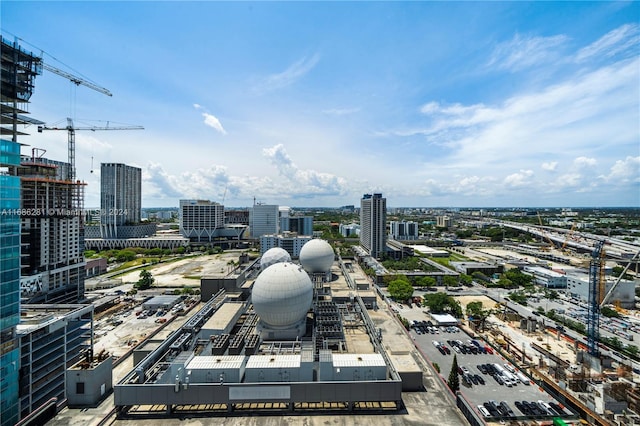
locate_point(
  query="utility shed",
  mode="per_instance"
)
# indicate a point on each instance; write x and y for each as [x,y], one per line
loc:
[161,302]
[273,368]
[216,369]
[222,321]
[359,367]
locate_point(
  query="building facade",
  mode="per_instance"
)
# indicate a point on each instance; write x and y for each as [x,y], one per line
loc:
[444,222]
[10,280]
[373,224]
[302,225]
[120,198]
[264,219]
[201,220]
[401,230]
[350,230]
[546,277]
[289,242]
[52,339]
[19,70]
[623,295]
[52,232]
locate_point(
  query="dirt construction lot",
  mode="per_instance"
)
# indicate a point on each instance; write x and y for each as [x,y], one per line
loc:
[187,272]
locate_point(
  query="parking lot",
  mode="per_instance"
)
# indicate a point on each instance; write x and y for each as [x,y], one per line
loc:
[493,386]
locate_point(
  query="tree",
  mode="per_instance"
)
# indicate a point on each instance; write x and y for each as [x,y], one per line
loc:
[146,280]
[476,312]
[400,289]
[450,281]
[609,313]
[466,279]
[454,379]
[441,303]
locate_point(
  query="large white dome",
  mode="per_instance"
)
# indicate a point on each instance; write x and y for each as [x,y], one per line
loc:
[274,255]
[282,295]
[317,256]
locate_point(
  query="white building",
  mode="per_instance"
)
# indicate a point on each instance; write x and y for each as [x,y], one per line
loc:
[624,294]
[373,224]
[401,230]
[349,230]
[546,277]
[443,222]
[201,220]
[264,219]
[290,242]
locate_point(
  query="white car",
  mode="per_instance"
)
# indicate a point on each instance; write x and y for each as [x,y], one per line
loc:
[483,411]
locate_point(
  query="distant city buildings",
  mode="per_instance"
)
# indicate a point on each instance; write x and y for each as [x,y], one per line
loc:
[401,230]
[373,224]
[264,220]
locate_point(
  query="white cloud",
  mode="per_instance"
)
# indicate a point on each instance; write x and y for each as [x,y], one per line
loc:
[584,162]
[550,166]
[526,51]
[518,180]
[303,183]
[624,171]
[212,121]
[293,73]
[616,41]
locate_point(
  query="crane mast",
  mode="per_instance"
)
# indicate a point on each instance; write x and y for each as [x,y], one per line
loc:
[71,129]
[593,306]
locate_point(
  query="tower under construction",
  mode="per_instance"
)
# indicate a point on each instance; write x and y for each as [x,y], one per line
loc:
[53,266]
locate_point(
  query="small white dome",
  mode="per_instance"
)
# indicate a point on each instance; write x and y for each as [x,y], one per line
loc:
[273,256]
[317,256]
[282,295]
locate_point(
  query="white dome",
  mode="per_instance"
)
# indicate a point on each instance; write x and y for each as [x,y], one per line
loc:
[274,255]
[317,256]
[282,295]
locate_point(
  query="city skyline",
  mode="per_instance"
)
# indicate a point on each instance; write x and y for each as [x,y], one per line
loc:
[314,104]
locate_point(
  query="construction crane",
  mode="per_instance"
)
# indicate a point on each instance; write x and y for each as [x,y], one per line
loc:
[78,81]
[568,237]
[542,230]
[72,139]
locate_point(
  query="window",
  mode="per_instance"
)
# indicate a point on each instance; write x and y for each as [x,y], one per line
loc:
[80,388]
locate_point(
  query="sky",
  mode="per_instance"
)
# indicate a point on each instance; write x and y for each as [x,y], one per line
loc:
[313,104]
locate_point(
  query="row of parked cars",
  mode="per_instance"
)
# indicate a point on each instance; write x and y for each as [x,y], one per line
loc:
[495,409]
[471,347]
[470,378]
[540,408]
[505,375]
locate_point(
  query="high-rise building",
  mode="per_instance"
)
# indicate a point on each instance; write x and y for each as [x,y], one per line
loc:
[302,225]
[52,264]
[120,198]
[373,224]
[19,70]
[264,220]
[201,220]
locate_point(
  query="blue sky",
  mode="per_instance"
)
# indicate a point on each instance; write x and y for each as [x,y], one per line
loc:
[314,104]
